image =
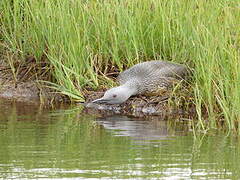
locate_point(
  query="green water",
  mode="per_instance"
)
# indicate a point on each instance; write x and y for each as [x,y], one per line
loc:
[66,143]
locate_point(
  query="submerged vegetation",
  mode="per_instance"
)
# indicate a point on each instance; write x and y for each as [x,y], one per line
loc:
[81,43]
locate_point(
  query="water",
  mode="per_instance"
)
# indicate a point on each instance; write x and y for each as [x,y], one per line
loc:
[65,143]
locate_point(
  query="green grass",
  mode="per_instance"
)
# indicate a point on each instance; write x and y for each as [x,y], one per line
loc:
[84,40]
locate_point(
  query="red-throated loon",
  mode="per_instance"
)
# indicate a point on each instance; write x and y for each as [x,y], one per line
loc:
[142,78]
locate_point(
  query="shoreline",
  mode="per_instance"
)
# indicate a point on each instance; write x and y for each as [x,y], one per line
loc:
[31,92]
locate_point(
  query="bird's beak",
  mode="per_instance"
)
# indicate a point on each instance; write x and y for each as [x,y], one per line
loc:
[100,100]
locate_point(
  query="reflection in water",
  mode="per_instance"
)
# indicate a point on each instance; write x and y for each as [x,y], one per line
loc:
[64,143]
[137,129]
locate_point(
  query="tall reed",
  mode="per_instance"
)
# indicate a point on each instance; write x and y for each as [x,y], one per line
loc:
[83,40]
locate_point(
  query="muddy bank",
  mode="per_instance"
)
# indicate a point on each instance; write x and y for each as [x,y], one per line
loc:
[27,90]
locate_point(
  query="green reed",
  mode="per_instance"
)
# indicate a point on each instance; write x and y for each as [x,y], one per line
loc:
[84,40]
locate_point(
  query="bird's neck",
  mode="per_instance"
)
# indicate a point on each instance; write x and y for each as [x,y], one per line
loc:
[129,89]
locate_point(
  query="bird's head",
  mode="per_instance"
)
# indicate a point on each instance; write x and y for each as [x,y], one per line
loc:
[116,95]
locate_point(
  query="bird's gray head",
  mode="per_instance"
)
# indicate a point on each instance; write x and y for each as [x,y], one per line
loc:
[116,95]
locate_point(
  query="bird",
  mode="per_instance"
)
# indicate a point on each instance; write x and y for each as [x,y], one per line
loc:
[142,78]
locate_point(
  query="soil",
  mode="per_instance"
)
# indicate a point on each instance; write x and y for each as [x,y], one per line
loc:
[27,90]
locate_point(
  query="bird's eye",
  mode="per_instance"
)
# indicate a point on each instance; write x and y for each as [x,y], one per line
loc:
[114,95]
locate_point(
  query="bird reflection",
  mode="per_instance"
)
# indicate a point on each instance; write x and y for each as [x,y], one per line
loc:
[137,129]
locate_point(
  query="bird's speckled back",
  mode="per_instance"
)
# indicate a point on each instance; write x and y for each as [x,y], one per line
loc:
[151,75]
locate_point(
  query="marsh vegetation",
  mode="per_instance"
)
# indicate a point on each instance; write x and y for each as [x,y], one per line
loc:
[83,44]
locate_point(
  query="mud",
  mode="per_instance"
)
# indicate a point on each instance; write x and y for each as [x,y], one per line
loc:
[28,91]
